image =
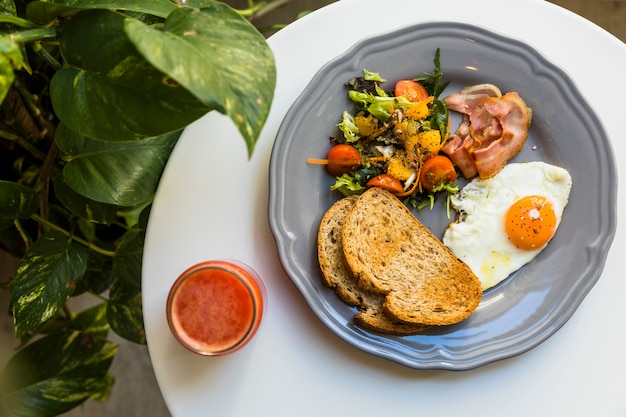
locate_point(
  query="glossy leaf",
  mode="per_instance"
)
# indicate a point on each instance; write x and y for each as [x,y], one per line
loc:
[11,54]
[7,7]
[107,91]
[125,308]
[218,56]
[124,174]
[60,371]
[48,10]
[82,206]
[17,201]
[92,321]
[125,314]
[98,276]
[45,279]
[128,257]
[10,59]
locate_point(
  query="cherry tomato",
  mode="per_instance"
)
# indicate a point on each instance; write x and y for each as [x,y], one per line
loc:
[437,170]
[342,159]
[386,182]
[413,90]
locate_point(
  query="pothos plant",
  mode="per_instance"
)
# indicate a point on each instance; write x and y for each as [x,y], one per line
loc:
[95,94]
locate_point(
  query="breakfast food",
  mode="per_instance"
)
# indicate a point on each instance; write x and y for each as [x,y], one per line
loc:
[493,130]
[505,221]
[392,253]
[393,138]
[330,253]
[337,275]
[395,151]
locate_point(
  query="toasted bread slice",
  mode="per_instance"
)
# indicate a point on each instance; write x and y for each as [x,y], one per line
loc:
[373,317]
[392,253]
[336,275]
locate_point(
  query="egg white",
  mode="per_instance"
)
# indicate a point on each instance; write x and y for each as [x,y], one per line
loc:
[478,237]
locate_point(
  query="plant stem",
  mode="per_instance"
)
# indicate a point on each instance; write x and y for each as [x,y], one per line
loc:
[30,102]
[25,236]
[254,11]
[269,7]
[251,10]
[83,242]
[45,55]
[17,21]
[33,35]
[43,182]
[20,141]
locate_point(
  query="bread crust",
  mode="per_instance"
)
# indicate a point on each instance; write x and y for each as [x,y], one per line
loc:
[391,253]
[336,275]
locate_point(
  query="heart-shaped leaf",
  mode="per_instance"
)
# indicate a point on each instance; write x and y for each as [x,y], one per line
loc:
[46,11]
[123,174]
[45,279]
[124,309]
[107,91]
[125,314]
[218,56]
[82,206]
[60,371]
[17,201]
[92,321]
[98,276]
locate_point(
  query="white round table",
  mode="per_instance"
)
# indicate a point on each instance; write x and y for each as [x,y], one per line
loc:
[212,203]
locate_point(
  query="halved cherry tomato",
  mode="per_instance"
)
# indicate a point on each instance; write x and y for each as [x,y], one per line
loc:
[437,170]
[342,159]
[413,90]
[386,182]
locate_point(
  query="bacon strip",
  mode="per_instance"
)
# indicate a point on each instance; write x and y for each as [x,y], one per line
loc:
[459,150]
[493,130]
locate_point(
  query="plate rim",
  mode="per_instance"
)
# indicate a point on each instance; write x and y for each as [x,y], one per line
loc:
[440,362]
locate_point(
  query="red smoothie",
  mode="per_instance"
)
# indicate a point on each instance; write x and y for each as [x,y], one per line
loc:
[215,307]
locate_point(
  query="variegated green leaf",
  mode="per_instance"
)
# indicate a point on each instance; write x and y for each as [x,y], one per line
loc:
[219,57]
[60,371]
[108,91]
[98,276]
[125,314]
[7,74]
[124,174]
[82,206]
[92,321]
[45,279]
[125,308]
[16,202]
[47,10]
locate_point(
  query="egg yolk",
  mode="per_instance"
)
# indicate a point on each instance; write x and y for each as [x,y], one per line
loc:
[530,222]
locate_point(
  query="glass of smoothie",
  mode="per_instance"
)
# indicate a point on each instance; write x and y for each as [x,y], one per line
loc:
[214,308]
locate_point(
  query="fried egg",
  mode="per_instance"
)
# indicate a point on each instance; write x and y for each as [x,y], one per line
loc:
[505,221]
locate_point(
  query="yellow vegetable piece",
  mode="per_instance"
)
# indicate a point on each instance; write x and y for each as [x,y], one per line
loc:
[419,110]
[430,141]
[397,168]
[367,125]
[411,128]
[411,143]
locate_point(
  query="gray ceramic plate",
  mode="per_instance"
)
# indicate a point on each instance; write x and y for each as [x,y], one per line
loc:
[529,306]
